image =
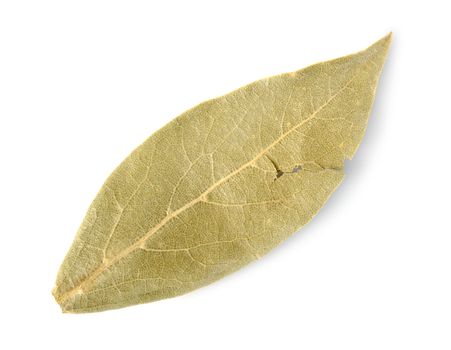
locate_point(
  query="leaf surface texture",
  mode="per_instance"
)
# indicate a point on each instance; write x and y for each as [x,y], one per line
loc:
[220,185]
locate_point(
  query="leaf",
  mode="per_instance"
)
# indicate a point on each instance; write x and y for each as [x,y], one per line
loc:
[220,185]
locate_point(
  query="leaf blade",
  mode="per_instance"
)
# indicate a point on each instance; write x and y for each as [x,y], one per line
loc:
[164,225]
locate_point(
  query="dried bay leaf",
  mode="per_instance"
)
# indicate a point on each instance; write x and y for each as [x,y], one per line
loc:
[220,185]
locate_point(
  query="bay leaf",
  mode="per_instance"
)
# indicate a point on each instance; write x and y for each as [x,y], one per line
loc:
[220,185]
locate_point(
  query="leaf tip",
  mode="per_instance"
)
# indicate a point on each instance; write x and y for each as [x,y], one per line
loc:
[388,38]
[384,42]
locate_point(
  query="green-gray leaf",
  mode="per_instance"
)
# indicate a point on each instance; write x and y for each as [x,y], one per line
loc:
[220,185]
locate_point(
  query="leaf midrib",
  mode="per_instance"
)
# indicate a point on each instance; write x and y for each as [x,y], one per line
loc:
[106,264]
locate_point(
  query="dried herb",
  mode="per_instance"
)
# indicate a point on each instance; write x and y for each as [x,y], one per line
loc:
[220,185]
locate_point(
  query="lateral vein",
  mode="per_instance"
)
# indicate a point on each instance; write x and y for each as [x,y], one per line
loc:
[84,284]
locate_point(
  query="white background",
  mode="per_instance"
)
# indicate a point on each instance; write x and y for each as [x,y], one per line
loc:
[82,83]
